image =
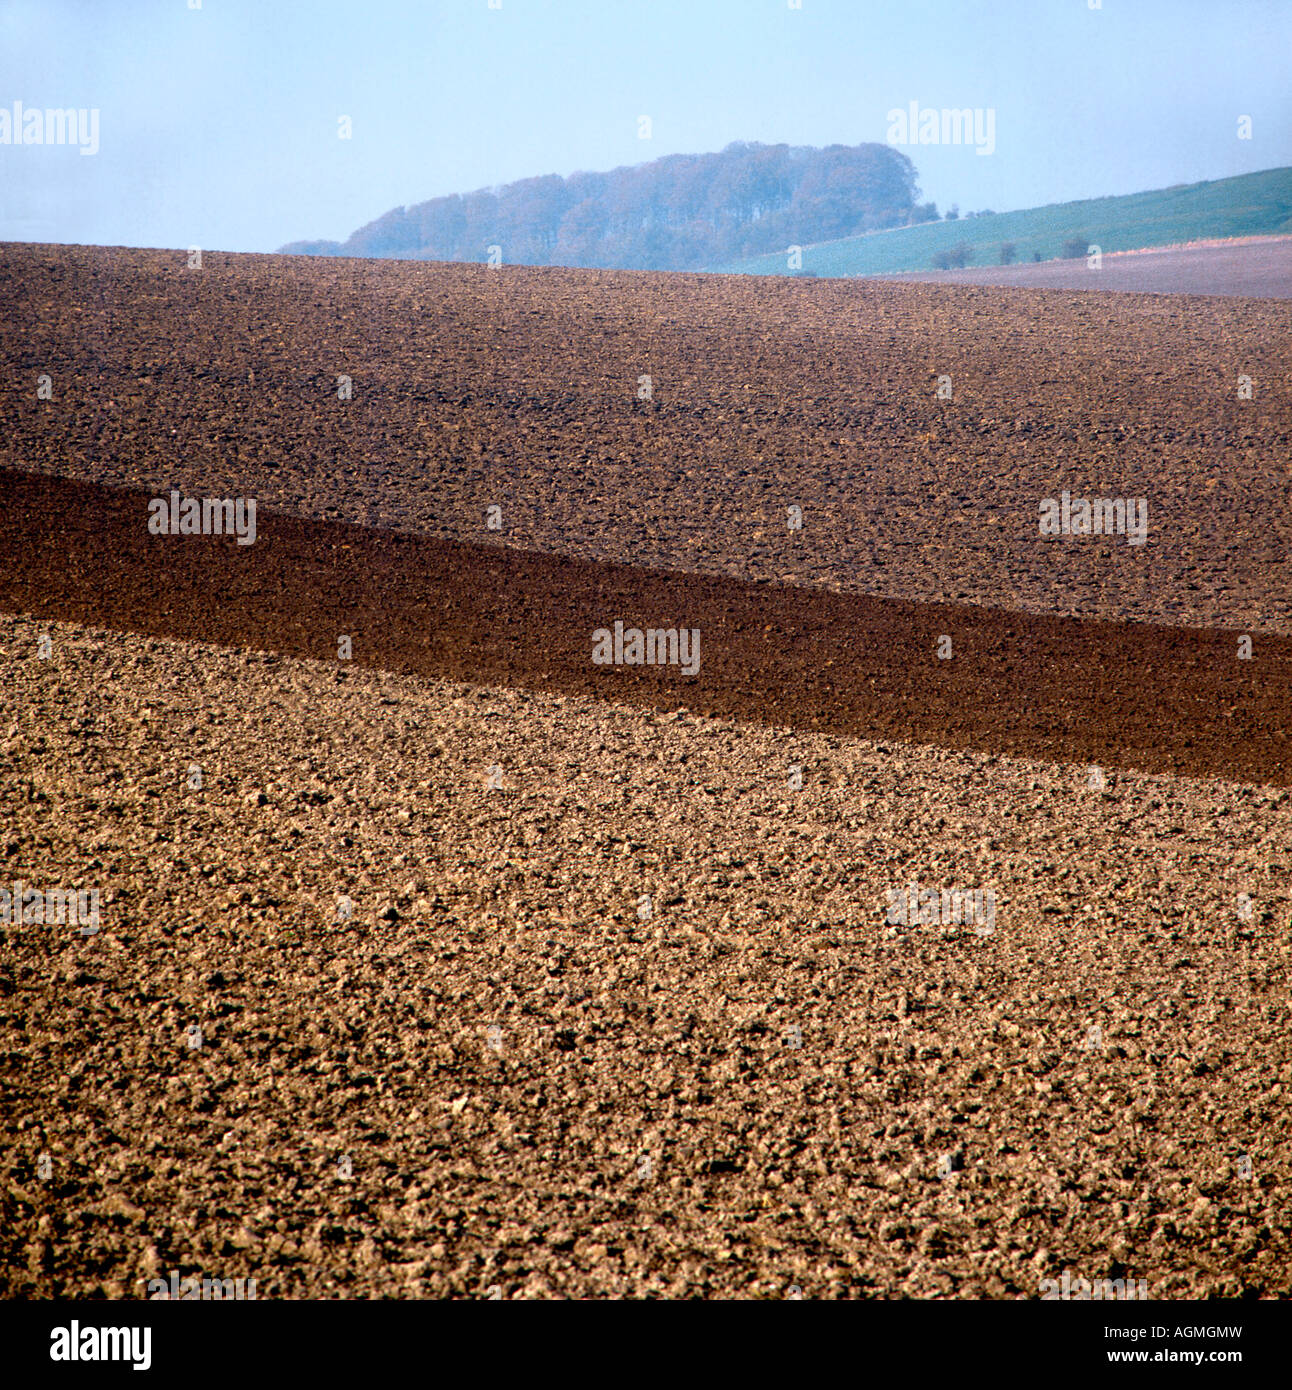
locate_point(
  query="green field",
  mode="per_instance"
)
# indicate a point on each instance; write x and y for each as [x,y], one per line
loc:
[1248,205]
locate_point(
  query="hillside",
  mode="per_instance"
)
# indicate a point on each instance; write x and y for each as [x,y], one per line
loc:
[1248,205]
[676,213]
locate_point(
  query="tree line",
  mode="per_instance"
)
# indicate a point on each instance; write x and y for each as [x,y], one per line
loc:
[682,212]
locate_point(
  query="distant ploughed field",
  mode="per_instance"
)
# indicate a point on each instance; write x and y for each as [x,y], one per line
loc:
[618,1005]
[1256,267]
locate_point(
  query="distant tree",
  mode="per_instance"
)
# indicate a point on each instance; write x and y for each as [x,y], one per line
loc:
[581,230]
[1008,253]
[1074,247]
[955,259]
[953,212]
[1036,255]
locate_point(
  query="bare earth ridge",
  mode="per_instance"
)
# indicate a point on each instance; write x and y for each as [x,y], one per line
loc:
[1156,697]
[519,388]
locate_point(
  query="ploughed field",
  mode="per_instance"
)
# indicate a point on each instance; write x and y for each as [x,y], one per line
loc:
[762,1085]
[518,388]
[617,1005]
[1255,267]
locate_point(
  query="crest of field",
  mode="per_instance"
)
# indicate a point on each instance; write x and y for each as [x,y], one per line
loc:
[519,388]
[1159,698]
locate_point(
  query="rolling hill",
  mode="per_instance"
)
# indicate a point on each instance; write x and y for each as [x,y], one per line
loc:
[1247,205]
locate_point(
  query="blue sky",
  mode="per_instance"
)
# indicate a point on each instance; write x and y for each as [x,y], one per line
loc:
[218,125]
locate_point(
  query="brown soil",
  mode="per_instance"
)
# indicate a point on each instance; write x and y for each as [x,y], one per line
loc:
[518,388]
[1125,695]
[761,1085]
[925,1050]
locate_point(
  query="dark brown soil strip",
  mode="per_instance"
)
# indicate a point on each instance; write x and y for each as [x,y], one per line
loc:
[1158,698]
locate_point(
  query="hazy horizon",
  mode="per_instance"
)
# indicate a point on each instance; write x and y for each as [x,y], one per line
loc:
[219,126]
